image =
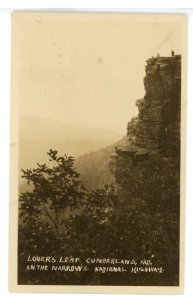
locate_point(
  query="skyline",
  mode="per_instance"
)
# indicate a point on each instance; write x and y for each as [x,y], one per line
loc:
[88,72]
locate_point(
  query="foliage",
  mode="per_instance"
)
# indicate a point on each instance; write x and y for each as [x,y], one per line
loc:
[59,214]
[94,168]
[55,188]
[139,218]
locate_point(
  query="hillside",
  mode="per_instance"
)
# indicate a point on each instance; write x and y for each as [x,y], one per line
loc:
[94,167]
[37,136]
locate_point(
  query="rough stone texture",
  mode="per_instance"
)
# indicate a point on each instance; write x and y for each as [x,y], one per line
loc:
[157,126]
[146,165]
[156,129]
[159,110]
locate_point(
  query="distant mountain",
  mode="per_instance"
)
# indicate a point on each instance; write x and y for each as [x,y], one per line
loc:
[33,151]
[94,167]
[37,136]
[40,128]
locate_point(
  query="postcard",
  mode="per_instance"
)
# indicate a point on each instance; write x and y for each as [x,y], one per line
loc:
[98,136]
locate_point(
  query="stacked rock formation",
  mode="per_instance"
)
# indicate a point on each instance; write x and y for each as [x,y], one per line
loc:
[157,127]
[146,168]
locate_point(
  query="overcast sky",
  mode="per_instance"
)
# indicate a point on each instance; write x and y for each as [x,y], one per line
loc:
[87,70]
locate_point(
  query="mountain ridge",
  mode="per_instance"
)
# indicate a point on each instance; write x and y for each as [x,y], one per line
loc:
[34,128]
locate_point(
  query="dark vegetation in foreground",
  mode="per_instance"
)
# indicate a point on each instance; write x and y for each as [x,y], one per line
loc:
[136,219]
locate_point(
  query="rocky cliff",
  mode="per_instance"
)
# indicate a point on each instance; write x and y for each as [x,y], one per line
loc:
[146,169]
[157,127]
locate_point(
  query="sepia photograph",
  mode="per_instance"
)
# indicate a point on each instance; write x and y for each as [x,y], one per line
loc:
[98,112]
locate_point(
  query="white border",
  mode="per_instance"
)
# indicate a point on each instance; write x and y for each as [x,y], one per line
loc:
[4,151]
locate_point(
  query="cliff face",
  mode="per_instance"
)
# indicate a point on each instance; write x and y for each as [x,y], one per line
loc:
[146,169]
[159,110]
[157,127]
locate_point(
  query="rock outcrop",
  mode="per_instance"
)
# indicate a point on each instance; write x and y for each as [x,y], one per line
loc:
[157,127]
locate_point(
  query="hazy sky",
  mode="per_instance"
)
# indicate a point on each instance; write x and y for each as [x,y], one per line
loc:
[87,70]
